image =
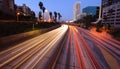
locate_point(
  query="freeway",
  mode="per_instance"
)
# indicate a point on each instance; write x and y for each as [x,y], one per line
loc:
[67,47]
[31,53]
[84,49]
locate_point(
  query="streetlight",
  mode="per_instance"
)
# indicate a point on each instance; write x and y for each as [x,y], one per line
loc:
[18,13]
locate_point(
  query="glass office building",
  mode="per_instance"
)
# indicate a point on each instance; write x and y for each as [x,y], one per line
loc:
[91,10]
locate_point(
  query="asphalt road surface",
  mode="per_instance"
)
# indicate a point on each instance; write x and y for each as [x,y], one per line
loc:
[67,47]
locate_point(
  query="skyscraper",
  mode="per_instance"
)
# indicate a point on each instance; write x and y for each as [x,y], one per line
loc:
[76,10]
[91,10]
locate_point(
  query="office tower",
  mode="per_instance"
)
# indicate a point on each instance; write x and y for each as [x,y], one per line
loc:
[76,10]
[91,10]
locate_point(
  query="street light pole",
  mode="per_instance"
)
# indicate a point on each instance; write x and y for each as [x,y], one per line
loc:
[18,16]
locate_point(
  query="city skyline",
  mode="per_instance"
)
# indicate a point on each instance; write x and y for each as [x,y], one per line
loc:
[64,7]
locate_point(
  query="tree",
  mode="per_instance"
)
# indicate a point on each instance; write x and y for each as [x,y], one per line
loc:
[50,14]
[33,14]
[42,8]
[87,20]
[40,5]
[55,16]
[40,16]
[15,6]
[59,16]
[99,25]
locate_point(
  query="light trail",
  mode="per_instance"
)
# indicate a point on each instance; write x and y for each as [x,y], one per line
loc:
[80,49]
[103,42]
[78,54]
[112,47]
[91,56]
[29,51]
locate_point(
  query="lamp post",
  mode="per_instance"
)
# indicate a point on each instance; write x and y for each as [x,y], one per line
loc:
[18,13]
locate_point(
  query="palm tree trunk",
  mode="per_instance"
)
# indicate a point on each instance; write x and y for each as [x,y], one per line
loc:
[43,17]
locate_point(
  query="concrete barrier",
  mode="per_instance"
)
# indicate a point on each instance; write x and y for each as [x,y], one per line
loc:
[12,39]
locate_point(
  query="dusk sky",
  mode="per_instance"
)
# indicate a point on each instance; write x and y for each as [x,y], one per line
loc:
[65,7]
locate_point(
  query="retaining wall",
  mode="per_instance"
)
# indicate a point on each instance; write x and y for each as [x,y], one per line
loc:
[12,39]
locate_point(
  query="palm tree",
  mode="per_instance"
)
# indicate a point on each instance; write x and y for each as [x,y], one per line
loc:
[50,14]
[55,16]
[40,5]
[40,16]
[43,9]
[59,16]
